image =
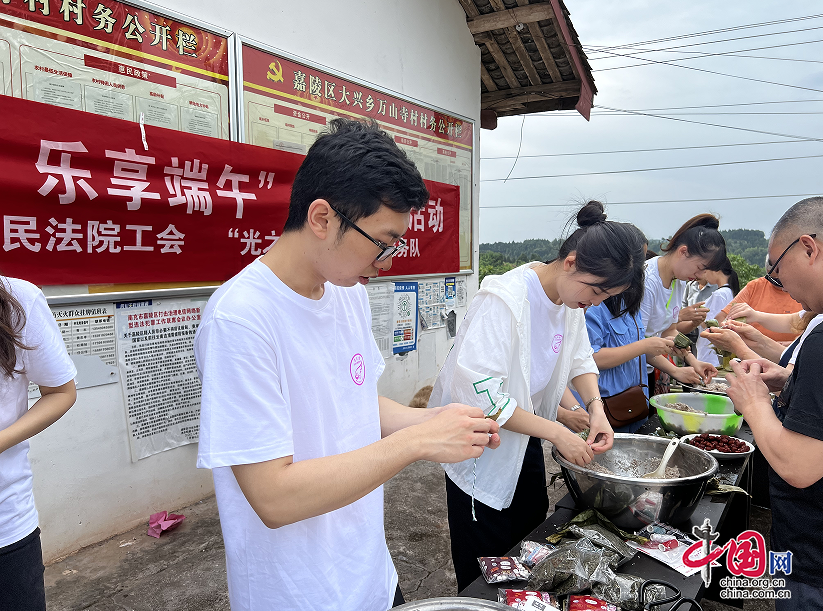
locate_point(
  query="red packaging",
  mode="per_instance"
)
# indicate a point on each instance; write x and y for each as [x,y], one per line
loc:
[520,598]
[588,603]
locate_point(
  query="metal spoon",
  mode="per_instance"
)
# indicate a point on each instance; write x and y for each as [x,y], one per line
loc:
[660,472]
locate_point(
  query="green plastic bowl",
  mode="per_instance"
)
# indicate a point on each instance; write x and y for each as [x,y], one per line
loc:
[719,418]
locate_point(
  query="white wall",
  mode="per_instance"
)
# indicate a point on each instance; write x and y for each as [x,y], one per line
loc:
[86,487]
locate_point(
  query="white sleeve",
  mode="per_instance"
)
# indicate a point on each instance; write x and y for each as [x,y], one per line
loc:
[481,374]
[48,362]
[245,416]
[646,305]
[583,361]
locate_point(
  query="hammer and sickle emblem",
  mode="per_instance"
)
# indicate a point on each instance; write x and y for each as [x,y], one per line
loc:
[277,69]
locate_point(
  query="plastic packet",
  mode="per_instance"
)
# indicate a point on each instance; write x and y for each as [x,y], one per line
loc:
[497,569]
[624,590]
[520,598]
[667,545]
[573,567]
[532,552]
[588,603]
[603,538]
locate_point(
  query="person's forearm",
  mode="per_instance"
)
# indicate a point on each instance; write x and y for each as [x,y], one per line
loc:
[606,358]
[526,423]
[304,489]
[663,364]
[778,323]
[686,326]
[765,347]
[587,388]
[568,400]
[53,403]
[395,416]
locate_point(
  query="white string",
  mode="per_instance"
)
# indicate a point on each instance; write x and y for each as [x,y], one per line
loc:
[474,481]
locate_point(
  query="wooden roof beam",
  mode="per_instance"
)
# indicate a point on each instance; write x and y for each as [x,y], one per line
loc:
[566,89]
[499,58]
[487,79]
[469,8]
[509,18]
[523,56]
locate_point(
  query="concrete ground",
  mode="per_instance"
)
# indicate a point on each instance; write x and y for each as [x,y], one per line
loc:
[185,569]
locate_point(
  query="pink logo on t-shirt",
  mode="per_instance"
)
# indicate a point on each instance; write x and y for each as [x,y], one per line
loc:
[556,342]
[357,368]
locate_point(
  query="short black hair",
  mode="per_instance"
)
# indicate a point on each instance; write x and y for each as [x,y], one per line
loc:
[356,167]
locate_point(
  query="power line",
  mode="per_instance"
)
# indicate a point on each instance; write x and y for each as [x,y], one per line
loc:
[692,114]
[652,150]
[659,201]
[710,32]
[675,49]
[742,129]
[702,106]
[677,167]
[745,78]
[699,55]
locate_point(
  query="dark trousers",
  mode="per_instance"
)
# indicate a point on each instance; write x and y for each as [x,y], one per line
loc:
[496,532]
[21,575]
[398,598]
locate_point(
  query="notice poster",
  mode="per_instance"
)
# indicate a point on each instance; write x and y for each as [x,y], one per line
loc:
[115,60]
[88,330]
[287,104]
[405,317]
[460,292]
[381,302]
[451,301]
[432,304]
[161,389]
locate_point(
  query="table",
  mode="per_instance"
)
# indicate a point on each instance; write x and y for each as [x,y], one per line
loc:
[729,516]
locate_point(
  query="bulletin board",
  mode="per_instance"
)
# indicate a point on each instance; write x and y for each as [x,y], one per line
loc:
[286,102]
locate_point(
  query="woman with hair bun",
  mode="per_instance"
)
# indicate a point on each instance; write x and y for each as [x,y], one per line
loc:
[694,248]
[521,343]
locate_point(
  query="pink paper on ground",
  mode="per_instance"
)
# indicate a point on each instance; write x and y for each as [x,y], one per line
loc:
[158,522]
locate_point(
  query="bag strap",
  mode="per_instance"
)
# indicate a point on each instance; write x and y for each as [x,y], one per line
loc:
[640,357]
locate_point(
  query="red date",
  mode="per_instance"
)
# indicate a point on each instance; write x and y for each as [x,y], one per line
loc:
[719,443]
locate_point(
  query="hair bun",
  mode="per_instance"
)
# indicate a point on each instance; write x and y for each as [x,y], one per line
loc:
[709,221]
[591,214]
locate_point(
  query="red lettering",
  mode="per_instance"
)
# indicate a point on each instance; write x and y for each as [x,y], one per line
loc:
[264,119]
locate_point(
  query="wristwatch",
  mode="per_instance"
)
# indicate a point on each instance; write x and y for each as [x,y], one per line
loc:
[575,407]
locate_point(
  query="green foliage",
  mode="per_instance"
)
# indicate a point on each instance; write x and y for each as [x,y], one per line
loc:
[493,263]
[745,270]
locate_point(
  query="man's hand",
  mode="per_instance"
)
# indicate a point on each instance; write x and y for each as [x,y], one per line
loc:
[773,375]
[573,448]
[743,310]
[656,346]
[601,435]
[694,314]
[457,433]
[746,387]
[577,420]
[687,375]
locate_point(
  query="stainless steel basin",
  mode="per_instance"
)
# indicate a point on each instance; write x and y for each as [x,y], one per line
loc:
[453,604]
[632,502]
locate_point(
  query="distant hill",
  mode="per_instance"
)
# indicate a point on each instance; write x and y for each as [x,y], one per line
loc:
[750,244]
[498,257]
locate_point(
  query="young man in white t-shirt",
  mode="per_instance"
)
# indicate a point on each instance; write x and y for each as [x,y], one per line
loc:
[299,441]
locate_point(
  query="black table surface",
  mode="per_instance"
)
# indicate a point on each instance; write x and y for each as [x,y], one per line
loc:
[716,508]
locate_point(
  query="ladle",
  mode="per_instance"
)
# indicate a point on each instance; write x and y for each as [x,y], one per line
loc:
[660,472]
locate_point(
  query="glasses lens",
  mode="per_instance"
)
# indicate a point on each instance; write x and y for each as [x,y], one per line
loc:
[387,252]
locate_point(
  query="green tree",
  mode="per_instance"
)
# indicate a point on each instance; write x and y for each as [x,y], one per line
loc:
[745,270]
[493,263]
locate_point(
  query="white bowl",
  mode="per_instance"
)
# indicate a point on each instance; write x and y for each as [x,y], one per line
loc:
[722,455]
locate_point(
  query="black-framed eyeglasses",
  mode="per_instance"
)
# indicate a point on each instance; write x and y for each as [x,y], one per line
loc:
[776,281]
[386,250]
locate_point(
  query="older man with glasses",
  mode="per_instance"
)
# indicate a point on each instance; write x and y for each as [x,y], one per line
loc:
[792,439]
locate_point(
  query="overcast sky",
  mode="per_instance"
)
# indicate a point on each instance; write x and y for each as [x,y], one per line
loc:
[650,86]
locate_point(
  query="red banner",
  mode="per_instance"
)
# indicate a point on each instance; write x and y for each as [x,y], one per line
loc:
[84,202]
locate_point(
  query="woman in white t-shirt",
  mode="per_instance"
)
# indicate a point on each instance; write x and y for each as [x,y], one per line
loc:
[31,350]
[728,286]
[522,341]
[696,247]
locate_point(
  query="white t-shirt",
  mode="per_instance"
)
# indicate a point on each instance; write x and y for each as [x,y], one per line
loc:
[716,302]
[284,375]
[548,322]
[48,364]
[660,305]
